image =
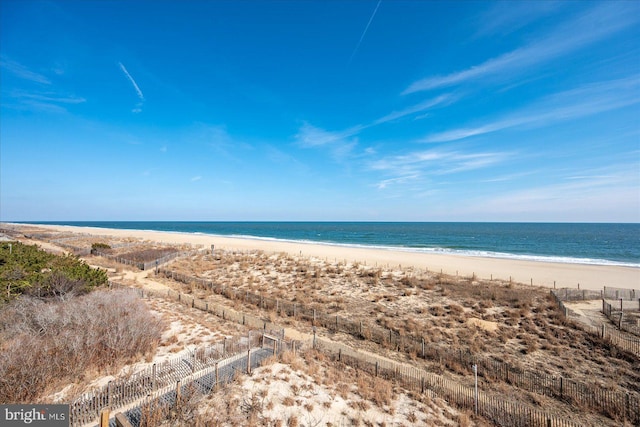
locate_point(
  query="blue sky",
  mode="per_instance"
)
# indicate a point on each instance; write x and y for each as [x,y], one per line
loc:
[332,110]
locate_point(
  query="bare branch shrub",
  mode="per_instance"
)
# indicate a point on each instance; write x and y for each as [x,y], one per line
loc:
[46,344]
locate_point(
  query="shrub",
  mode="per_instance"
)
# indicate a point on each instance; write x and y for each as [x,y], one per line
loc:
[27,269]
[100,246]
[45,344]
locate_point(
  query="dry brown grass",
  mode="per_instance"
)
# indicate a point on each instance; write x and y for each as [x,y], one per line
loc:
[47,344]
[531,333]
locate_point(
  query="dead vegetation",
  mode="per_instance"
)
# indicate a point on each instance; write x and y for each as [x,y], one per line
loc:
[306,390]
[47,344]
[507,322]
[514,323]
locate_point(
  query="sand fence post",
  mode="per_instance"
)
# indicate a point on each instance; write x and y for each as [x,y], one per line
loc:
[217,375]
[153,377]
[104,417]
[249,361]
[109,394]
[178,393]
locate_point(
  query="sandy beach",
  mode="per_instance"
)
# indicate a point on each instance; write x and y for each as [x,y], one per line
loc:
[527,272]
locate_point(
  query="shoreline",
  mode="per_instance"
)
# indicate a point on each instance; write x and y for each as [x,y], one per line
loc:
[538,273]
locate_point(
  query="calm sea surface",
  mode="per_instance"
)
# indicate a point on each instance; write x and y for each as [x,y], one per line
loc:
[612,244]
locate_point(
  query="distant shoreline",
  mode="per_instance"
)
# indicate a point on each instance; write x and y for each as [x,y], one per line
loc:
[567,243]
[540,273]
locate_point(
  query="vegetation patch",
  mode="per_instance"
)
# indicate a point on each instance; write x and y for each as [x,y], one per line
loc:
[26,269]
[147,255]
[46,344]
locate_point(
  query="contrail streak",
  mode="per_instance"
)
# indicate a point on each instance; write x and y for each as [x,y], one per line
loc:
[133,82]
[364,32]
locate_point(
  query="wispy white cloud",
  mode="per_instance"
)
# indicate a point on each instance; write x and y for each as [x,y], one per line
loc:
[312,136]
[506,17]
[419,164]
[343,142]
[441,100]
[366,28]
[572,104]
[50,102]
[421,172]
[593,25]
[196,178]
[22,72]
[381,185]
[50,97]
[138,107]
[35,106]
[590,195]
[509,177]
[216,139]
[339,143]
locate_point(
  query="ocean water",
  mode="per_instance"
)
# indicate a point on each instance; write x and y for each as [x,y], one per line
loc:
[603,244]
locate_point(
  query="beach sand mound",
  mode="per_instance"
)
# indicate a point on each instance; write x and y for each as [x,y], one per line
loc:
[484,324]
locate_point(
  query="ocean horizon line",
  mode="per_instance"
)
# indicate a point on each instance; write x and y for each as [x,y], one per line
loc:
[566,243]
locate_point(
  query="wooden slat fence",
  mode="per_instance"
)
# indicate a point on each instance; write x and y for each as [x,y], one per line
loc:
[621,293]
[620,339]
[122,391]
[571,294]
[618,311]
[494,407]
[201,383]
[148,264]
[612,403]
[221,311]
